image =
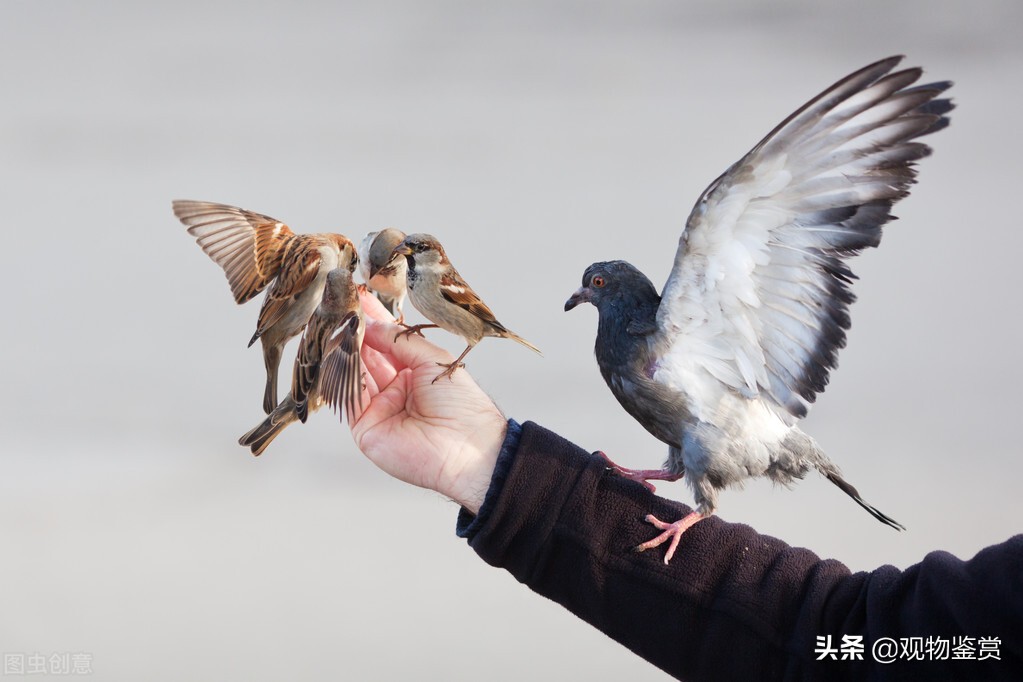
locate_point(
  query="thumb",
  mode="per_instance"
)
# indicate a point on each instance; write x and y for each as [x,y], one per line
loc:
[387,404]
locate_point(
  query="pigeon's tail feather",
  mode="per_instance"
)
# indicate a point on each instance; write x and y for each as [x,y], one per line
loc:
[804,451]
[832,475]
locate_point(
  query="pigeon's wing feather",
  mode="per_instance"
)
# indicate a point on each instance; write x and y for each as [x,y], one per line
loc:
[247,245]
[759,293]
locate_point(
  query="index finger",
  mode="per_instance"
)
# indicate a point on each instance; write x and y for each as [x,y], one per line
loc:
[373,308]
[409,350]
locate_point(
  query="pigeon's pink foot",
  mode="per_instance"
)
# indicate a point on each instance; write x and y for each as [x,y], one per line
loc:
[361,288]
[672,531]
[643,476]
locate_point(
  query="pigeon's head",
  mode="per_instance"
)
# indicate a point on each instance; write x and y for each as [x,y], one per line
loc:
[612,284]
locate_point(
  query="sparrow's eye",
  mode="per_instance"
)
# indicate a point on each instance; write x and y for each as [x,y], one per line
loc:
[597,281]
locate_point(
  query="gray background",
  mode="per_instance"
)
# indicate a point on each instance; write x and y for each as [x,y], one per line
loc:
[533,139]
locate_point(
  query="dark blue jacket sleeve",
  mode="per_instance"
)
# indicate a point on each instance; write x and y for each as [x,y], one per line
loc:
[733,604]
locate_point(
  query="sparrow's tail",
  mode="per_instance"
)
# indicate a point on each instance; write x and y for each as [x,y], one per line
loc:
[832,475]
[515,337]
[258,438]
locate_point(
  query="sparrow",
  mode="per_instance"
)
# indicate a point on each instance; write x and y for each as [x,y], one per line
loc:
[328,367]
[383,271]
[723,363]
[443,297]
[255,251]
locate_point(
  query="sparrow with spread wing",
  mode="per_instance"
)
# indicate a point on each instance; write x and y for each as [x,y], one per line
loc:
[728,358]
[443,297]
[328,368]
[255,250]
[383,270]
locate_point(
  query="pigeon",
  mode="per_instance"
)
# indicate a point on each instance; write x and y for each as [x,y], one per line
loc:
[255,250]
[383,270]
[443,297]
[725,361]
[328,369]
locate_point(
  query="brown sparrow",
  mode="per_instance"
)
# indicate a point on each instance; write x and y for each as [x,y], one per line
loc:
[443,297]
[383,270]
[254,250]
[328,368]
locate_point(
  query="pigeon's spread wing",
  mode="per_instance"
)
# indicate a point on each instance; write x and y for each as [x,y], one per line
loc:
[248,246]
[758,297]
[341,374]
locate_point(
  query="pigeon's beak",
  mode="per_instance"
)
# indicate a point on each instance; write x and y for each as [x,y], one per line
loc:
[582,295]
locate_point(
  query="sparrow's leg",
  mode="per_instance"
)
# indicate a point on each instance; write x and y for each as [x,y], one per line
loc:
[414,329]
[272,360]
[672,531]
[361,288]
[454,365]
[643,476]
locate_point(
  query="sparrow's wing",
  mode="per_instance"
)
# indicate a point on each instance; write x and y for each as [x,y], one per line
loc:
[454,289]
[758,297]
[308,361]
[341,374]
[298,270]
[247,245]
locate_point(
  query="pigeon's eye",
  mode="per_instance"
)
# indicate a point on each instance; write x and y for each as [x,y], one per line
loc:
[597,281]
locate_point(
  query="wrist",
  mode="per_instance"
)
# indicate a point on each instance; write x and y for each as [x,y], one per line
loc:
[469,484]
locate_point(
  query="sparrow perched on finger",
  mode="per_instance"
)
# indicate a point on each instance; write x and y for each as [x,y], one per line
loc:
[723,363]
[383,271]
[328,367]
[256,251]
[443,297]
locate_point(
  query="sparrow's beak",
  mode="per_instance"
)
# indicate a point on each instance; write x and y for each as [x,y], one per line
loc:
[400,250]
[582,295]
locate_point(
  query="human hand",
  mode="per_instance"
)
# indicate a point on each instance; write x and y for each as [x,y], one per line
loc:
[442,435]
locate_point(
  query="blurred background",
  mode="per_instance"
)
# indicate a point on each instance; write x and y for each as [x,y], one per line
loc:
[135,529]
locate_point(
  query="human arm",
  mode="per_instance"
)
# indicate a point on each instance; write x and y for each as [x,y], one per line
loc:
[733,605]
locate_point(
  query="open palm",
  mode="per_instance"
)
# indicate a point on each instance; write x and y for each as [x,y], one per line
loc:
[445,435]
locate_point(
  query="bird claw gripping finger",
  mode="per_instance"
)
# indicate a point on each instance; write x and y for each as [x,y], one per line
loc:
[413,329]
[641,476]
[450,369]
[672,531]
